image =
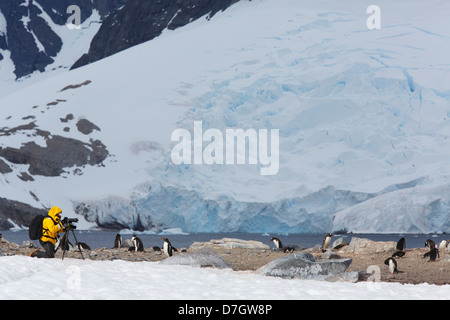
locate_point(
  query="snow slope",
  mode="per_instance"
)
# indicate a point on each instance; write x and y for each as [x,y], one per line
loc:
[361,113]
[75,42]
[26,278]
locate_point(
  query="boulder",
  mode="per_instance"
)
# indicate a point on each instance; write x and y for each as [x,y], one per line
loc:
[339,243]
[201,258]
[363,245]
[304,266]
[329,254]
[231,243]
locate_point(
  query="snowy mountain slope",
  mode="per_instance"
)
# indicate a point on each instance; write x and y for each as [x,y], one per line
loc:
[35,42]
[360,112]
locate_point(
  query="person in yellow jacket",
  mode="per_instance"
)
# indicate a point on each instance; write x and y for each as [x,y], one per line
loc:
[51,226]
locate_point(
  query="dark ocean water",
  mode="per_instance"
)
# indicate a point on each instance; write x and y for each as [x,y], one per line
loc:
[98,239]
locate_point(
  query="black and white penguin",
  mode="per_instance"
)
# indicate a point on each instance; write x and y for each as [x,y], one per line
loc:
[138,245]
[432,254]
[82,246]
[277,243]
[326,242]
[443,245]
[118,241]
[401,246]
[280,246]
[167,247]
[392,264]
[430,244]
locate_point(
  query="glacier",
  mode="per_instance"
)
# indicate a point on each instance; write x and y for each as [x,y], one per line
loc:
[363,117]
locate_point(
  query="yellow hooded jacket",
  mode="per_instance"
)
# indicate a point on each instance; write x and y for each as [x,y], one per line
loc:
[51,225]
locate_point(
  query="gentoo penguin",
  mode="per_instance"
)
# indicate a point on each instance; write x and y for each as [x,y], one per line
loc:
[167,247]
[117,241]
[400,248]
[277,243]
[433,254]
[430,244]
[326,242]
[443,244]
[138,245]
[280,246]
[82,246]
[392,265]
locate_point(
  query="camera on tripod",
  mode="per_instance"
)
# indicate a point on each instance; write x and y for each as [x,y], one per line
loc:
[68,226]
[67,222]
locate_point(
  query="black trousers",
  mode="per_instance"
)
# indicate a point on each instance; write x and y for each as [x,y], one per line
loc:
[49,250]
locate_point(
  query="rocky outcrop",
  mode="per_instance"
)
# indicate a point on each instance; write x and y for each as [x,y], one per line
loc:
[140,21]
[58,154]
[19,212]
[29,38]
[362,245]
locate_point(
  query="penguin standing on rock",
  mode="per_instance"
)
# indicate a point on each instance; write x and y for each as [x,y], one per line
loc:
[326,242]
[168,249]
[392,264]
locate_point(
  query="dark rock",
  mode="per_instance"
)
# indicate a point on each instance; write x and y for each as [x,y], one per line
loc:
[67,118]
[19,212]
[86,127]
[4,168]
[140,21]
[59,153]
[19,38]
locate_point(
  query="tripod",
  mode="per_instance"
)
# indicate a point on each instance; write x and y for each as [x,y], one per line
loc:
[65,241]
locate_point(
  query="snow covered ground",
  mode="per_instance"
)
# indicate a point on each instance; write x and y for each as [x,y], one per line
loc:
[27,278]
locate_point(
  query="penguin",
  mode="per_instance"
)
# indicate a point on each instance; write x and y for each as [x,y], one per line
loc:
[277,243]
[326,242]
[118,241]
[82,246]
[433,254]
[138,245]
[401,246]
[280,246]
[443,244]
[63,244]
[392,265]
[167,247]
[430,244]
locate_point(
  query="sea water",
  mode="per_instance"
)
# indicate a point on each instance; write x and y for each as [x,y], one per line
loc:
[99,239]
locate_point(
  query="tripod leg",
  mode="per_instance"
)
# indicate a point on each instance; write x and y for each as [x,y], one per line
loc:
[64,242]
[76,242]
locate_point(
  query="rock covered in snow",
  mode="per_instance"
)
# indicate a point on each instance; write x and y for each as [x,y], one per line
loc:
[304,266]
[201,258]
